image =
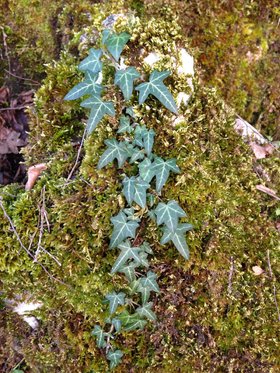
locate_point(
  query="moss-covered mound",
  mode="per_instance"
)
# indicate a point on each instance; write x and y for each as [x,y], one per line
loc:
[214,314]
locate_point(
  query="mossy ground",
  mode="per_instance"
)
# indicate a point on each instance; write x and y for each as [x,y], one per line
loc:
[214,314]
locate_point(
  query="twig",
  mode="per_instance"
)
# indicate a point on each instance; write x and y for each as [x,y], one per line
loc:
[6,47]
[16,107]
[274,288]
[231,270]
[78,156]
[23,247]
[108,346]
[20,77]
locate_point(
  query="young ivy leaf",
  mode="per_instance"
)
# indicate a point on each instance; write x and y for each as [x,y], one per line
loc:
[178,238]
[123,228]
[125,125]
[129,188]
[124,79]
[92,62]
[132,321]
[146,311]
[169,214]
[135,190]
[88,86]
[127,253]
[129,110]
[156,87]
[115,42]
[161,169]
[117,324]
[100,335]
[141,187]
[129,271]
[115,150]
[150,281]
[145,170]
[115,299]
[148,138]
[99,109]
[114,357]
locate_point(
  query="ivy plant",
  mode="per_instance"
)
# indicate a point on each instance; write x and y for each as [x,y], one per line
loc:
[131,308]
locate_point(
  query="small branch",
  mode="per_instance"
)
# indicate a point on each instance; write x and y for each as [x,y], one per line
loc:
[78,156]
[108,345]
[231,270]
[20,77]
[273,285]
[24,248]
[6,47]
[15,108]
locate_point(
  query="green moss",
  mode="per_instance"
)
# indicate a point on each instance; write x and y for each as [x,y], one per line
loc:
[207,321]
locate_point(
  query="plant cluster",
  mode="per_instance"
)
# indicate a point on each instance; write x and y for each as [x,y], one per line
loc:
[131,309]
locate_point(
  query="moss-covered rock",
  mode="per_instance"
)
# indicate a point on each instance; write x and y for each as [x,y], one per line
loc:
[213,313]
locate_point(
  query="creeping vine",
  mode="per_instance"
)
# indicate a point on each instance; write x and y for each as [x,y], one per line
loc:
[131,308]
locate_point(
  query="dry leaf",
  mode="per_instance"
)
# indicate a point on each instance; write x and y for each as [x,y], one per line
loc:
[33,173]
[257,270]
[9,141]
[261,151]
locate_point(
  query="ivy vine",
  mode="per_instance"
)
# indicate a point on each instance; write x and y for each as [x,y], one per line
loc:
[131,308]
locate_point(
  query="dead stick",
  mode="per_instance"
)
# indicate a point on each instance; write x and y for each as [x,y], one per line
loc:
[78,156]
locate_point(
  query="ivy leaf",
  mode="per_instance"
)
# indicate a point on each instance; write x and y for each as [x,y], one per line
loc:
[115,299]
[137,154]
[125,125]
[129,271]
[146,311]
[145,170]
[100,335]
[127,252]
[123,228]
[135,190]
[178,238]
[134,286]
[145,293]
[161,169]
[169,214]
[129,110]
[115,43]
[92,62]
[116,150]
[132,321]
[146,248]
[117,324]
[150,281]
[88,86]
[99,109]
[141,187]
[138,135]
[148,138]
[114,357]
[137,324]
[156,87]
[129,188]
[124,79]
[143,257]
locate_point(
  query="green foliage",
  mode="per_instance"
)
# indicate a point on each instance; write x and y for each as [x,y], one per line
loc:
[136,147]
[115,43]
[124,79]
[156,88]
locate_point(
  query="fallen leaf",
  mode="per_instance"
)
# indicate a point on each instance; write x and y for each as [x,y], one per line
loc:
[261,151]
[33,173]
[257,270]
[10,141]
